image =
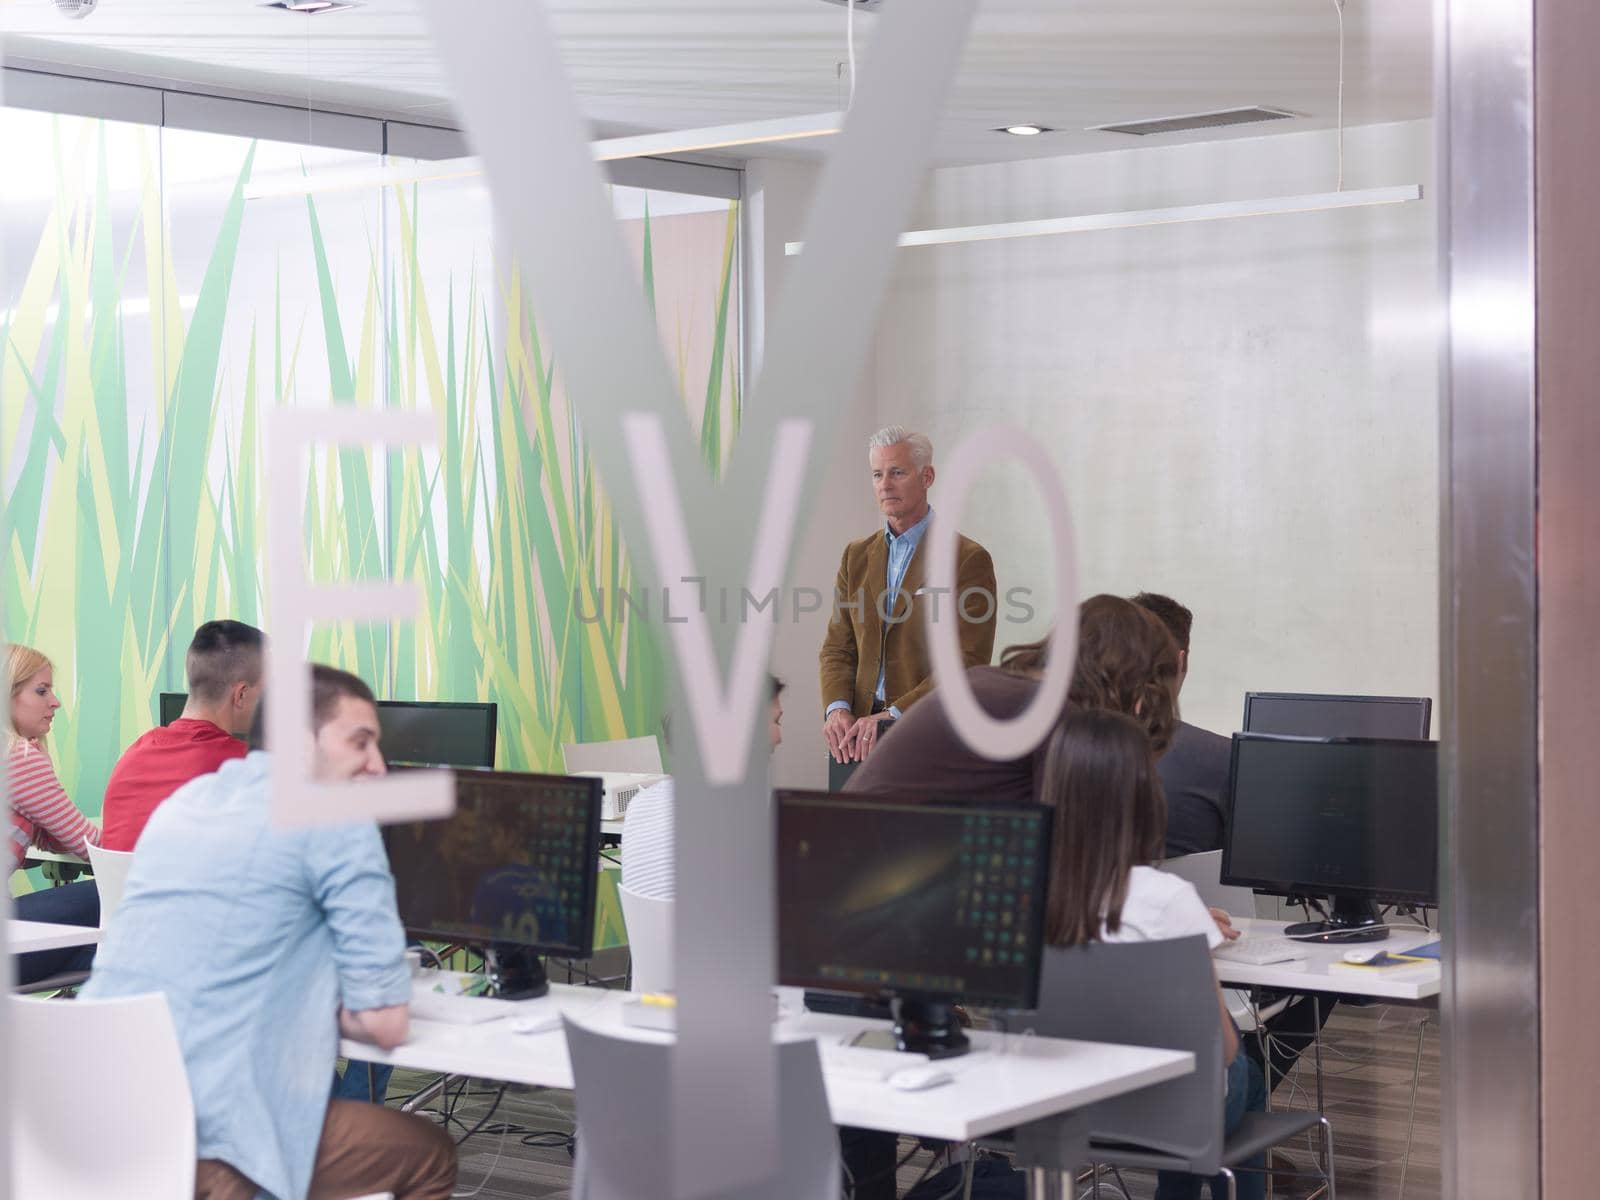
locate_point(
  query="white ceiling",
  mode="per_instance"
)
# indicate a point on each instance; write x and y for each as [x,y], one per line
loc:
[643,65]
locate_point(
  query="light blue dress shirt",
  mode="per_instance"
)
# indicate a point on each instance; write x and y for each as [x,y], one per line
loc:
[902,547]
[256,936]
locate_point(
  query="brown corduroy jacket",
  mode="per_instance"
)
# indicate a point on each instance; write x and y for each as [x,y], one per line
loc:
[859,638]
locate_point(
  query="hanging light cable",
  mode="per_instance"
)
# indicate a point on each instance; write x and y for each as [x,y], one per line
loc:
[1338,8]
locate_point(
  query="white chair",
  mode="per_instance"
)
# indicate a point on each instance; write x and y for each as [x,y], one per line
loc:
[1204,871]
[110,868]
[633,756]
[649,922]
[109,1071]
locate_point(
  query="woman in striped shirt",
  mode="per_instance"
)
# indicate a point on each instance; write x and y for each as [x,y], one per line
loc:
[42,813]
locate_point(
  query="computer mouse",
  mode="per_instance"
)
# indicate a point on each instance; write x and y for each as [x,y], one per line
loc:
[919,1078]
[1359,956]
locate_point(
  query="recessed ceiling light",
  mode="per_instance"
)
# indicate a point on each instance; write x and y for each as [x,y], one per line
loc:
[311,8]
[1025,130]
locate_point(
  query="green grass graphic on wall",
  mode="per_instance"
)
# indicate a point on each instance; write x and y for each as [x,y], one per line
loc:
[134,502]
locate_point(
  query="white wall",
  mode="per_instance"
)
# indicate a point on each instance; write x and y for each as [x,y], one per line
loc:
[1245,412]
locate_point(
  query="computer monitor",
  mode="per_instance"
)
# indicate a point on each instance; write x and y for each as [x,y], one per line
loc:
[437,733]
[932,903]
[514,871]
[434,733]
[1294,714]
[1354,819]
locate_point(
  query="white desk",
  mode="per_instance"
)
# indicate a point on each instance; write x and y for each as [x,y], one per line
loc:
[1003,1083]
[1316,972]
[37,855]
[22,937]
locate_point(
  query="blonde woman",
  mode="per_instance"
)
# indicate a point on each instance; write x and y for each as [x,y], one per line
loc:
[41,812]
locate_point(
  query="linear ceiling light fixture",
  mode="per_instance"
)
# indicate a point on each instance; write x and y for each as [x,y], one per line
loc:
[646,145]
[311,8]
[1276,206]
[1154,216]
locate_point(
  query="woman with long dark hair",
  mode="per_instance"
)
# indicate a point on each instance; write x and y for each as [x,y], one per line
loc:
[1127,662]
[1110,826]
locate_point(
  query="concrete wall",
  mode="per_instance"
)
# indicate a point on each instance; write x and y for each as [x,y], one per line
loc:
[1245,412]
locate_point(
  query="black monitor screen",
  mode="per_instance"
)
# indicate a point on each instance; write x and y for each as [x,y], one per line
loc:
[1290,714]
[430,733]
[1356,818]
[935,901]
[517,865]
[436,733]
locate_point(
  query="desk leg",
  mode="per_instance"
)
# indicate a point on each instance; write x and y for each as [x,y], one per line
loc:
[1316,1016]
[1411,1122]
[1263,1043]
[1051,1150]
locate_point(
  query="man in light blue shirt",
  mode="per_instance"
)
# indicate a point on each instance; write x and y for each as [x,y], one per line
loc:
[268,944]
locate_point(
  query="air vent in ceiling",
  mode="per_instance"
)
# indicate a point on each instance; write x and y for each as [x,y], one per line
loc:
[1192,121]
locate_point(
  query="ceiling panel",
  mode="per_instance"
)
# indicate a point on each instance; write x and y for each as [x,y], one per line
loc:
[644,65]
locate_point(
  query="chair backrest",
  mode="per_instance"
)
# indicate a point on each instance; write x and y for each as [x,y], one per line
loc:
[100,1100]
[634,756]
[1205,872]
[1163,994]
[110,869]
[649,922]
[621,1096]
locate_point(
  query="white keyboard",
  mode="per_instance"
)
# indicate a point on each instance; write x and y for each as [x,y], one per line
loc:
[429,1005]
[1259,951]
[864,1062]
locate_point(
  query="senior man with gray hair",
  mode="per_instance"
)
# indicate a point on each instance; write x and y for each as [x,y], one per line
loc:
[874,660]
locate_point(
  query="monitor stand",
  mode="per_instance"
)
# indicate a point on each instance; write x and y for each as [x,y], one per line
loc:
[1350,921]
[515,973]
[928,1027]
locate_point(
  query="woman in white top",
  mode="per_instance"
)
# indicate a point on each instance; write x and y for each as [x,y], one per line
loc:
[1110,824]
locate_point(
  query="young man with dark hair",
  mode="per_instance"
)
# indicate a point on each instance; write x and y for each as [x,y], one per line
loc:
[224,669]
[1194,770]
[269,944]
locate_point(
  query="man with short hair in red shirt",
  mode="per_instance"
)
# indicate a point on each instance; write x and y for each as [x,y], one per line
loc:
[224,669]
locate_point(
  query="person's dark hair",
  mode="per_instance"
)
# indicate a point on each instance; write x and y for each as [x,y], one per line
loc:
[1178,619]
[329,685]
[1127,663]
[222,654]
[1110,816]
[776,685]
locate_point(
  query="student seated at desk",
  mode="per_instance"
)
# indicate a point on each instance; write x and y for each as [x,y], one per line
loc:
[42,814]
[647,833]
[1127,662]
[268,944]
[224,670]
[1110,826]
